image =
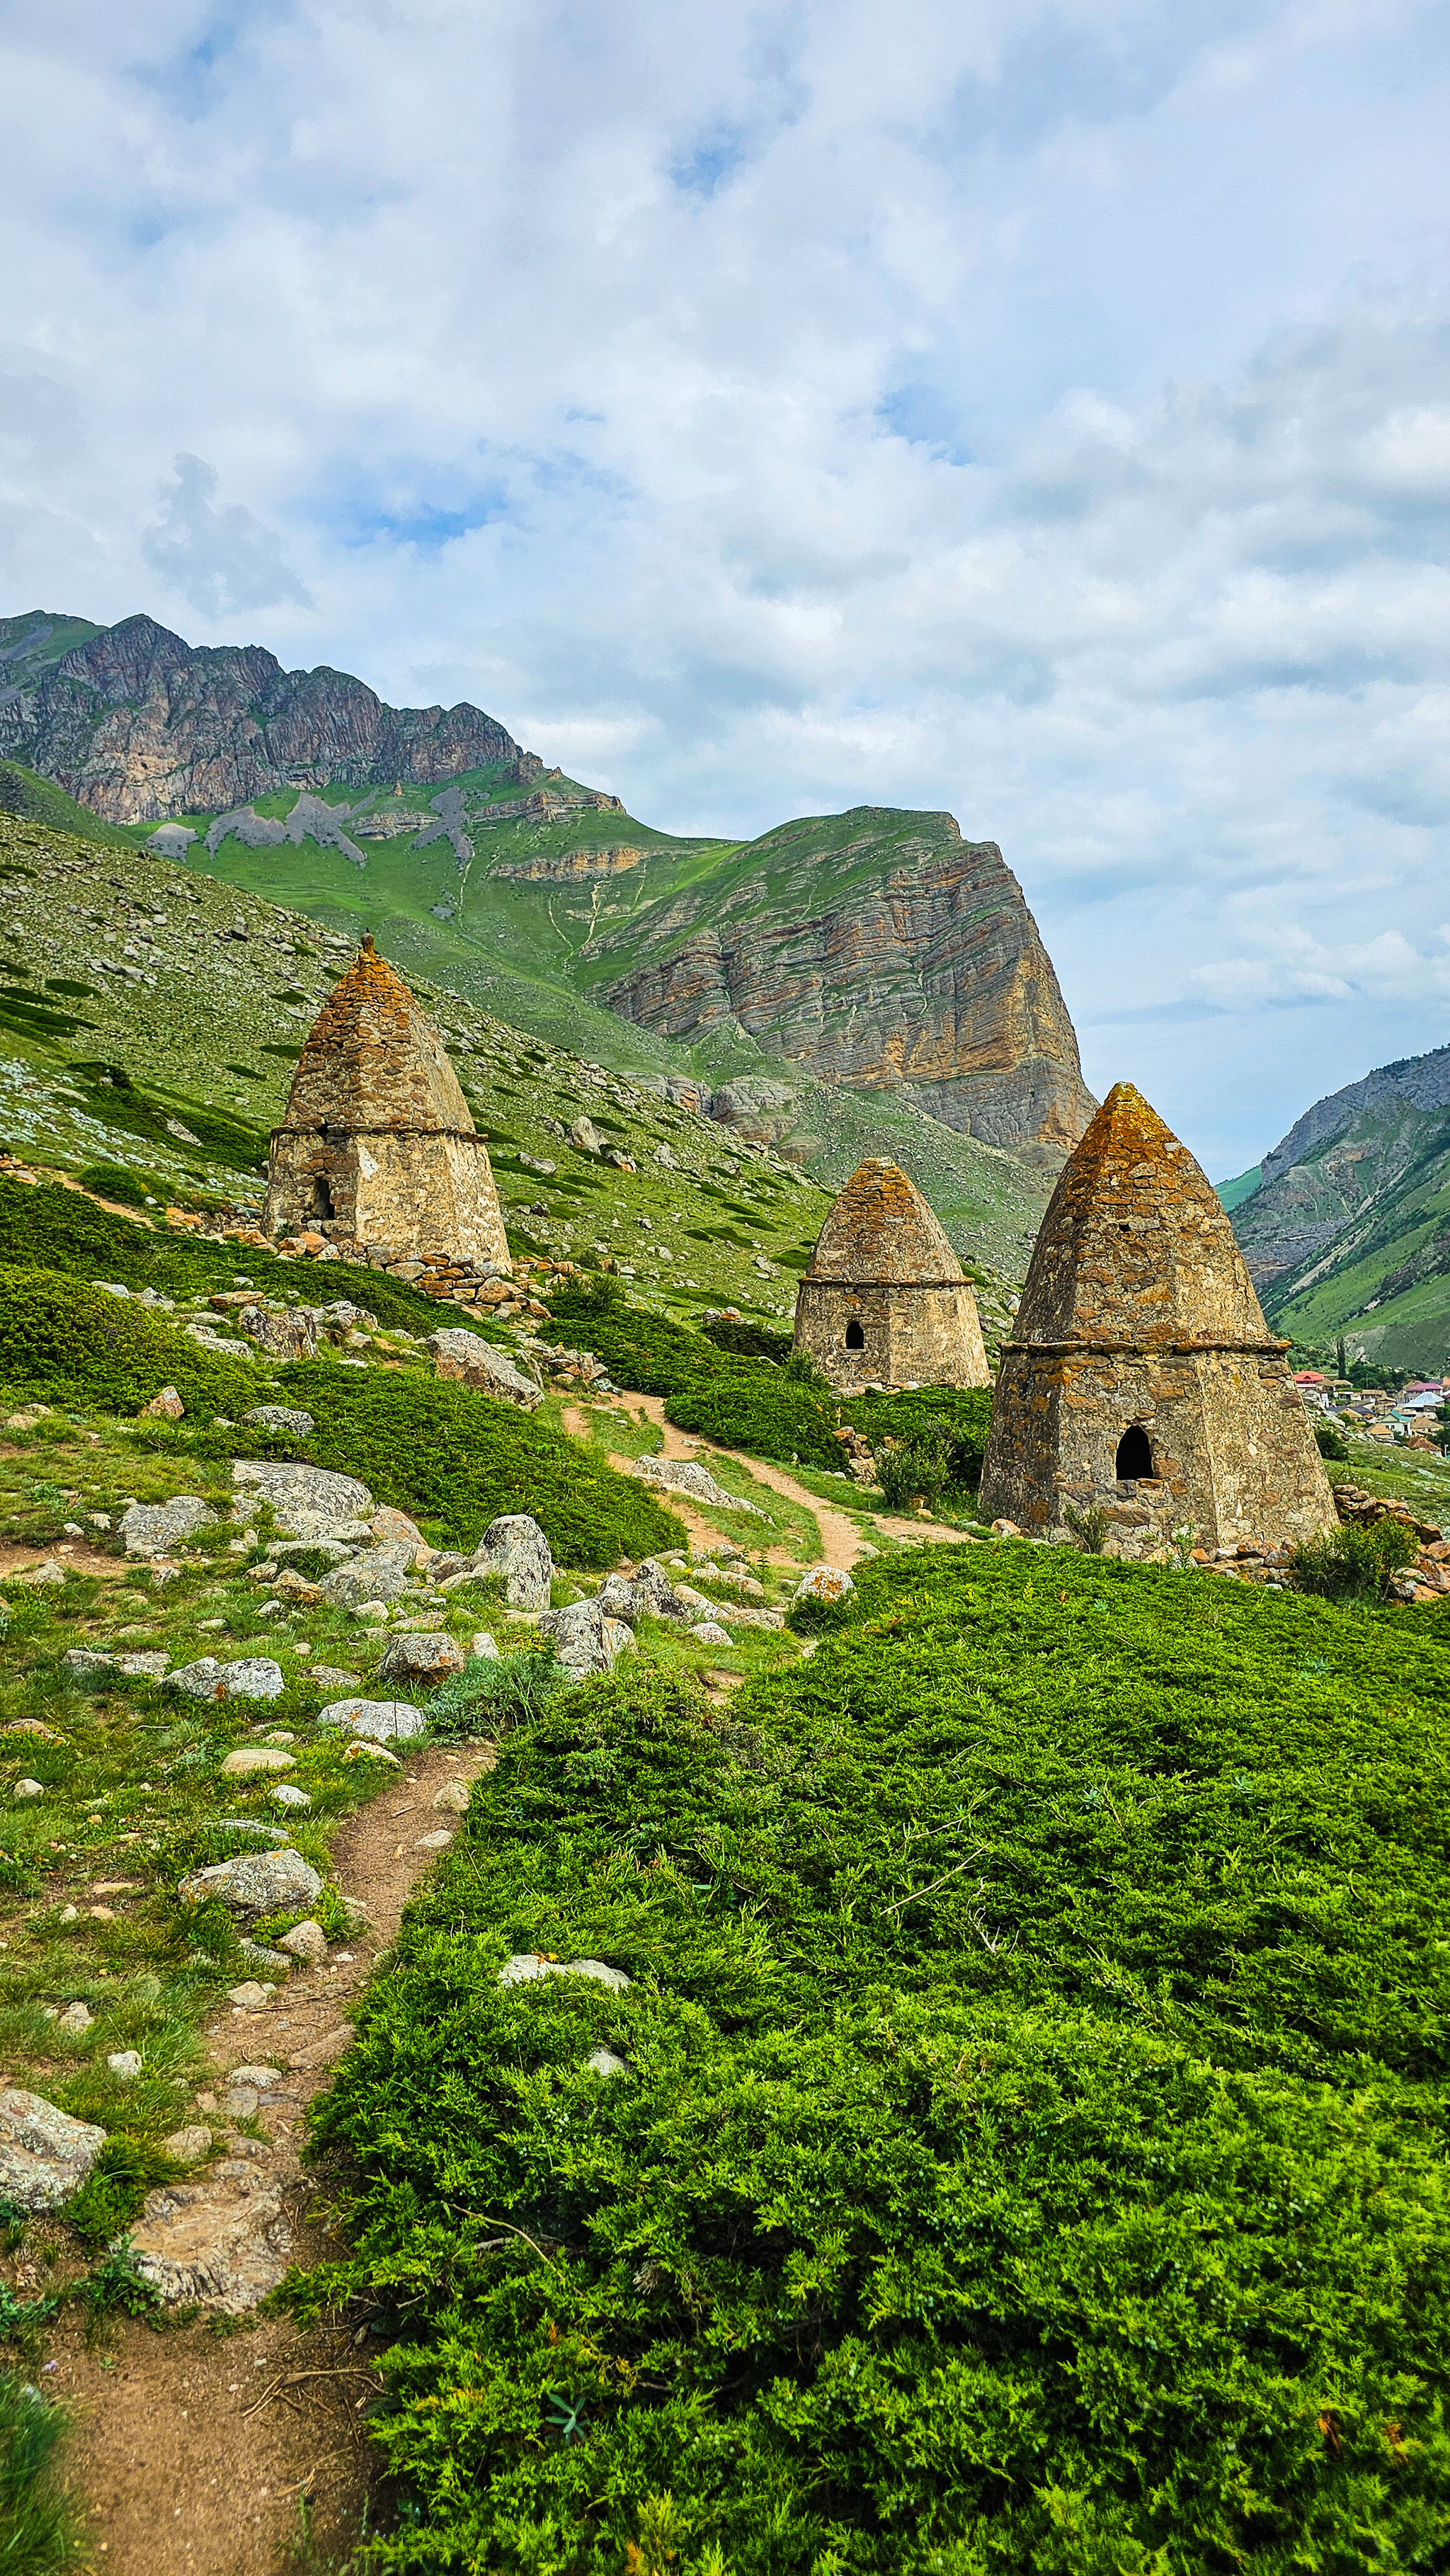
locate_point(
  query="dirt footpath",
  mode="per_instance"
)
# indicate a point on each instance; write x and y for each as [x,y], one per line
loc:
[195,2444]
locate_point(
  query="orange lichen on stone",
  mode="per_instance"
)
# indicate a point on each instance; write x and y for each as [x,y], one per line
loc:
[884,1300]
[378,1144]
[1141,1380]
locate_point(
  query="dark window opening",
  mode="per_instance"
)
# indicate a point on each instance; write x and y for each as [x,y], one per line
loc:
[321,1198]
[1135,1457]
[855,1338]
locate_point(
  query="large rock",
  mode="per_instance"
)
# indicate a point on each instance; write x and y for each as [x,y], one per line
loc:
[379,1574]
[648,1594]
[255,1883]
[221,2244]
[475,1362]
[515,1547]
[44,2154]
[249,1677]
[421,1661]
[153,1529]
[280,1417]
[289,1336]
[585,1639]
[381,1721]
[308,1501]
[826,1583]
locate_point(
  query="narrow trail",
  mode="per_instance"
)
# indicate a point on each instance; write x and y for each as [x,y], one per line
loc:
[194,2445]
[842,1543]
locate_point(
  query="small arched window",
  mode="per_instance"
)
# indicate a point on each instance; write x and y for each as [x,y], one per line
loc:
[855,1338]
[1135,1455]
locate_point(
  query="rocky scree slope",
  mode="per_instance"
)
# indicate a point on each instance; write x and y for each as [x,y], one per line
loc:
[1347,1229]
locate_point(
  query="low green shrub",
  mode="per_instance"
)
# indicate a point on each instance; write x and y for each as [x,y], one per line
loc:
[743,1403]
[1030,2145]
[73,1344]
[118,1181]
[747,1341]
[114,2189]
[1330,1442]
[491,1695]
[42,2531]
[1354,1563]
[457,1459]
[913,1469]
[960,1416]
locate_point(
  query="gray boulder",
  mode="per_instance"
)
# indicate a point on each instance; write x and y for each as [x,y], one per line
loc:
[585,1137]
[475,1362]
[44,2154]
[648,1594]
[308,1501]
[585,1640]
[249,1677]
[379,1574]
[292,1335]
[515,1547]
[526,1965]
[255,1883]
[280,1417]
[83,1664]
[152,1529]
[221,2244]
[380,1721]
[687,1476]
[421,1661]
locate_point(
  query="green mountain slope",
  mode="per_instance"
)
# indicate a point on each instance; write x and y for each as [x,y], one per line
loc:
[1347,1232]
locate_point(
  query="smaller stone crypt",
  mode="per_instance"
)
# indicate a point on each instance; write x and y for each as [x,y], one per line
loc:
[885,1301]
[1141,1381]
[377,1145]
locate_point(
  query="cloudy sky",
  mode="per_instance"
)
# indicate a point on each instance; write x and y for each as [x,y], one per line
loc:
[1041,411]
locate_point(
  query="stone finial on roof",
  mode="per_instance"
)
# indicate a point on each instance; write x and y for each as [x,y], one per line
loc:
[880,1229]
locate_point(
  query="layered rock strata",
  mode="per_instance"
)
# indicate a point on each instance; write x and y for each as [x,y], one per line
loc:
[910,962]
[378,1143]
[1141,1390]
[137,724]
[885,1301]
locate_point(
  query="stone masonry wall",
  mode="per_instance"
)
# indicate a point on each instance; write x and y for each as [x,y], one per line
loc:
[927,1335]
[431,1193]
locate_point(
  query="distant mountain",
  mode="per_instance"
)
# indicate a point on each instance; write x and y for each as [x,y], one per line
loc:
[1347,1228]
[137,724]
[875,952]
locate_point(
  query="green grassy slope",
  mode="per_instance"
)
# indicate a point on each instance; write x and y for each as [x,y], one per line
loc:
[1383,1283]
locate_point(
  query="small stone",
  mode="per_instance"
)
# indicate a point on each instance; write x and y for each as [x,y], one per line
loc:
[48,1571]
[125,2064]
[261,2078]
[710,1633]
[249,1677]
[224,2243]
[433,1842]
[188,2146]
[281,1417]
[305,1941]
[384,1721]
[824,1583]
[484,1646]
[147,1667]
[70,1914]
[272,1882]
[26,1788]
[81,1663]
[452,1798]
[526,1965]
[44,2154]
[239,2101]
[365,1752]
[604,2062]
[288,1795]
[334,1677]
[250,1758]
[165,1407]
[75,2020]
[249,1996]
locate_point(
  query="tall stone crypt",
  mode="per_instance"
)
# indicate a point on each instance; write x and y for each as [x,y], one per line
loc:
[377,1144]
[1141,1379]
[884,1301]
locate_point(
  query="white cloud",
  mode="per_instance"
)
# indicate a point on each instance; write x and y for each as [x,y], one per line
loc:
[1040,412]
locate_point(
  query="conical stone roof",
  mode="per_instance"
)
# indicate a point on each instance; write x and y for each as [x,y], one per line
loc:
[373,1062]
[1136,1249]
[880,1230]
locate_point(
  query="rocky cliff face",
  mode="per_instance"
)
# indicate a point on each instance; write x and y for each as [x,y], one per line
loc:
[878,949]
[137,724]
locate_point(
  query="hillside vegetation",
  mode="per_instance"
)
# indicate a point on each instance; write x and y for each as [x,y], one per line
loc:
[1028,2149]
